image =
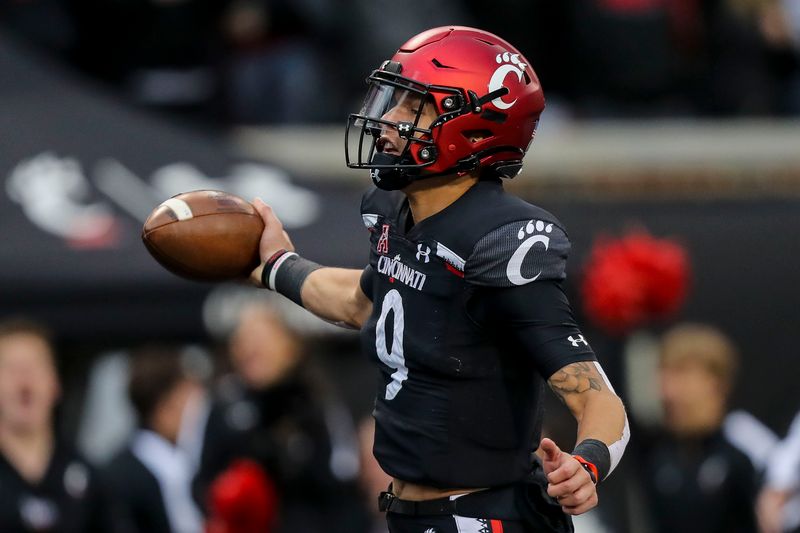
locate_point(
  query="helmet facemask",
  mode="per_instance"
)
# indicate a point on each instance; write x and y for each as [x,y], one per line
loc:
[394,133]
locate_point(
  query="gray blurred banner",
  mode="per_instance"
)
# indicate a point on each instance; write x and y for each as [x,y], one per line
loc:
[80,172]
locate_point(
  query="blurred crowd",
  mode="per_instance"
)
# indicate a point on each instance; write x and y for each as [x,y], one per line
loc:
[261,441]
[303,61]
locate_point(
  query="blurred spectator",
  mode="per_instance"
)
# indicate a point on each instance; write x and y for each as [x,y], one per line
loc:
[161,53]
[45,23]
[738,76]
[779,23]
[696,478]
[150,480]
[281,61]
[624,60]
[278,410]
[779,502]
[44,484]
[276,61]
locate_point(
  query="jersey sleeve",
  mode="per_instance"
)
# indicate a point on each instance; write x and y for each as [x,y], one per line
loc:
[519,253]
[537,319]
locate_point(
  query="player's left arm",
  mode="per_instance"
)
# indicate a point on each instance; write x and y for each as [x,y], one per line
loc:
[518,270]
[602,436]
[537,319]
[584,389]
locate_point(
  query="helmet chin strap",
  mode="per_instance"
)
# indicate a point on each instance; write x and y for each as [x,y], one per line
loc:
[394,179]
[390,179]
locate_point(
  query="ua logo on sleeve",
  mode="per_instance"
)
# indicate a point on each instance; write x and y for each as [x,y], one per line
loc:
[576,340]
[423,253]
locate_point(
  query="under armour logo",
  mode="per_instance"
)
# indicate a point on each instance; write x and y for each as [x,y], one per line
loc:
[404,128]
[575,341]
[383,242]
[423,253]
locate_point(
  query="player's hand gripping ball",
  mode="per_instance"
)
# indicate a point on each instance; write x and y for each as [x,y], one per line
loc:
[205,236]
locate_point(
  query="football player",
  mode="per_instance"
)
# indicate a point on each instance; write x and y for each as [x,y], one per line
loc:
[462,305]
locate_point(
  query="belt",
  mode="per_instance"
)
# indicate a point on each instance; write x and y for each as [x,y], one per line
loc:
[388,502]
[526,501]
[498,502]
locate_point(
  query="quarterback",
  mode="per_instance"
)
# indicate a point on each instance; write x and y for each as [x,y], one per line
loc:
[461,306]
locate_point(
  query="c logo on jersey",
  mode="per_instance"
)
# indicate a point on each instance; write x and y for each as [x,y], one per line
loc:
[508,63]
[533,230]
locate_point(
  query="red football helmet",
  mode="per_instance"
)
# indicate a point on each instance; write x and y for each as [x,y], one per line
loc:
[452,99]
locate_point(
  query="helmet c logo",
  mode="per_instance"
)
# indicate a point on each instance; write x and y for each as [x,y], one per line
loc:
[508,63]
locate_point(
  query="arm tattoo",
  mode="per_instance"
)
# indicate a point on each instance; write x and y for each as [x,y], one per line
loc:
[575,378]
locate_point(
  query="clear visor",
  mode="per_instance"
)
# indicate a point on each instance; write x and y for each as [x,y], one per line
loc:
[393,119]
[390,103]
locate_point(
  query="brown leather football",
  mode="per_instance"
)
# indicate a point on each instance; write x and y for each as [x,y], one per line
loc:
[205,235]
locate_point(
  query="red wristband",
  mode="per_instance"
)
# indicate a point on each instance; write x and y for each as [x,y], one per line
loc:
[589,467]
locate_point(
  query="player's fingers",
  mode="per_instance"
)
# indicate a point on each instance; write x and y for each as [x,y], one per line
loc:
[578,497]
[566,487]
[267,214]
[551,450]
[588,505]
[566,470]
[259,204]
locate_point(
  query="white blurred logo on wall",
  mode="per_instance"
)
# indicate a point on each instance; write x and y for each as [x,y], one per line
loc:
[59,197]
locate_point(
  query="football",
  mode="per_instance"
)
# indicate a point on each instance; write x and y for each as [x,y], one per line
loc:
[205,236]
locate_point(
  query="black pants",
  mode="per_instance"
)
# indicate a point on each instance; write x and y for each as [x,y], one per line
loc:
[523,507]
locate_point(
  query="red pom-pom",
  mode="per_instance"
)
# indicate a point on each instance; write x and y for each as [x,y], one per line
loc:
[634,280]
[242,499]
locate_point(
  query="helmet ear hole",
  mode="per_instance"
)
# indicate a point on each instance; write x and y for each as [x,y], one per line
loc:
[476,136]
[451,102]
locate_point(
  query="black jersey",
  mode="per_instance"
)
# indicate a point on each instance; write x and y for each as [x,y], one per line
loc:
[703,485]
[134,495]
[468,320]
[67,499]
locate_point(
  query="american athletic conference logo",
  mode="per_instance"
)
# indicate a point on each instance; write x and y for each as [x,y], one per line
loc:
[509,63]
[383,241]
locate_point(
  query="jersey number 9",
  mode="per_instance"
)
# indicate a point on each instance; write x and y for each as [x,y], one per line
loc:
[394,359]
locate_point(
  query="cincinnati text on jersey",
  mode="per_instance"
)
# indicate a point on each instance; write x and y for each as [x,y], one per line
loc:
[396,269]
